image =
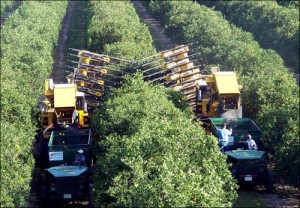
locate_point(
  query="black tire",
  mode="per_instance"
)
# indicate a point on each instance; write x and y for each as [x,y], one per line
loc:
[44,160]
[91,194]
[269,182]
[44,197]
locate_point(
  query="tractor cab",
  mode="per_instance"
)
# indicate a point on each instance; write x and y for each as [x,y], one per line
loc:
[219,95]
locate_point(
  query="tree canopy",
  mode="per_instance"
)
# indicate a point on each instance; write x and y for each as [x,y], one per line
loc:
[154,155]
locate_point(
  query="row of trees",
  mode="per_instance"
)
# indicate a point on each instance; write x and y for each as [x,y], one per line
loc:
[273,26]
[151,153]
[115,29]
[5,5]
[270,93]
[289,3]
[27,41]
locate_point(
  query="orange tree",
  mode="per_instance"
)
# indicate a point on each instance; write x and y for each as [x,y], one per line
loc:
[153,155]
[5,6]
[27,41]
[115,29]
[273,26]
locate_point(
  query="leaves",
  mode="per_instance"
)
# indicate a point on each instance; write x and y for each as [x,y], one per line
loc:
[154,155]
[27,41]
[273,26]
[115,29]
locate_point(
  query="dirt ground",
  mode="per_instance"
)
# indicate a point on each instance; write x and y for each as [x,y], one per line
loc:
[285,196]
[6,14]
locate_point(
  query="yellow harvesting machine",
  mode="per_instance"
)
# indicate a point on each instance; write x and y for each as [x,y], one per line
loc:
[63,106]
[219,95]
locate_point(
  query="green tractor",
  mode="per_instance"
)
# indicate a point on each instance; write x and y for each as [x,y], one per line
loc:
[250,167]
[66,179]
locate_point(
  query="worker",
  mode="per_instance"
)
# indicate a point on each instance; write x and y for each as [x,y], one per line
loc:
[80,158]
[251,143]
[223,135]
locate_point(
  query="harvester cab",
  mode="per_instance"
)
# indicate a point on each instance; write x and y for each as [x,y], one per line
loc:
[63,106]
[219,95]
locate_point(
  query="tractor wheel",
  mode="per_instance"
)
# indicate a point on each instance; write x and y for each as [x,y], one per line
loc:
[91,202]
[269,182]
[44,160]
[44,197]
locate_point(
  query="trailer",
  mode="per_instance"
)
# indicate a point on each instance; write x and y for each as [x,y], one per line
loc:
[65,180]
[240,128]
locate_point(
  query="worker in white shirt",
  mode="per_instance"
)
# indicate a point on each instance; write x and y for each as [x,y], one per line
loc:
[223,135]
[250,142]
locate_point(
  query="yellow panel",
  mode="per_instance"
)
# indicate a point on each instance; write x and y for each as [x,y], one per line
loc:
[169,65]
[100,82]
[106,59]
[104,71]
[86,60]
[227,82]
[83,72]
[64,95]
[209,79]
[48,87]
[186,66]
[174,51]
[183,55]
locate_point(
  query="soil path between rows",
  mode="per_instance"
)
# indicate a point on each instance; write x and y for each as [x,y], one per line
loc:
[15,5]
[161,40]
[59,52]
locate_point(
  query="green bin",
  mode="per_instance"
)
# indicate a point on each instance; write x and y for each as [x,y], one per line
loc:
[241,127]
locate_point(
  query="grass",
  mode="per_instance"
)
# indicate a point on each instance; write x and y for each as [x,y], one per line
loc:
[249,199]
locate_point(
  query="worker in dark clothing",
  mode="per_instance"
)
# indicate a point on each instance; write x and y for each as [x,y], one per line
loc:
[80,158]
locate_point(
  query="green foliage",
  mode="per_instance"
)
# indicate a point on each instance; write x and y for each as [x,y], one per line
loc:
[289,3]
[115,29]
[154,155]
[249,199]
[27,41]
[281,132]
[273,26]
[16,163]
[267,84]
[5,5]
